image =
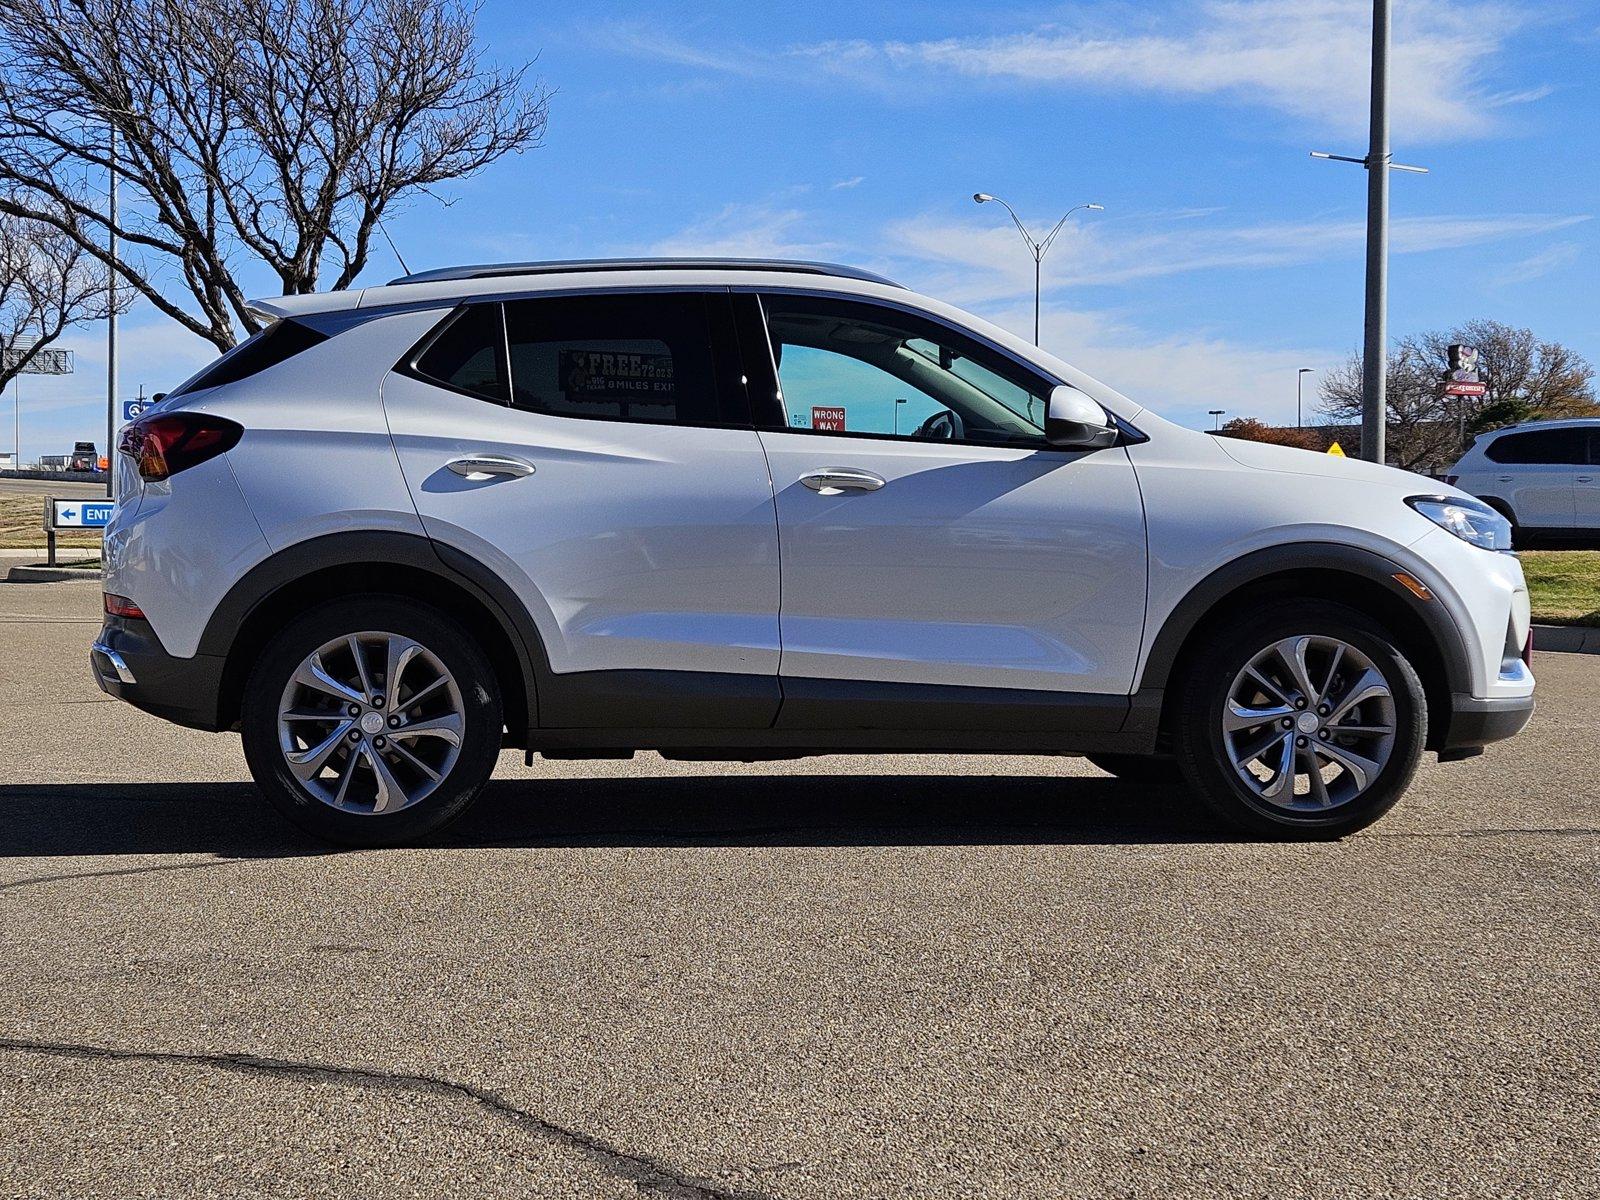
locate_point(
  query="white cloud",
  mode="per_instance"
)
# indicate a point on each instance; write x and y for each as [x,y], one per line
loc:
[1177,375]
[747,231]
[853,181]
[1088,253]
[1308,59]
[1540,264]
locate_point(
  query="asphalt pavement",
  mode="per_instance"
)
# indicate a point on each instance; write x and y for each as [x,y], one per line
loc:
[838,977]
[49,487]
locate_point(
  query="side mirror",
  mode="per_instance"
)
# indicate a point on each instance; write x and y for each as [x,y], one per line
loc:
[1073,421]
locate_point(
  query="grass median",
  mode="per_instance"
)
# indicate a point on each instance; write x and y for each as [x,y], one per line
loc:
[1564,586]
[22,526]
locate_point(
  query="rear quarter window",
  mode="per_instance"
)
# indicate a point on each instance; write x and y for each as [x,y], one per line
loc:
[277,343]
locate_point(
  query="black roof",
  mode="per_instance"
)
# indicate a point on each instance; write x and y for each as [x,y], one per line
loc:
[572,266]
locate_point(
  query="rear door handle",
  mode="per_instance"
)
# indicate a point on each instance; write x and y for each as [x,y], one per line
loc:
[484,466]
[1585,478]
[830,481]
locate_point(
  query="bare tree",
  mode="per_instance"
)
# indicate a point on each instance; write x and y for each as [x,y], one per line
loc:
[275,130]
[47,282]
[1525,379]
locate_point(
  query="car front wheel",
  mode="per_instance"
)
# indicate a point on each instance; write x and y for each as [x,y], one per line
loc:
[371,721]
[1302,721]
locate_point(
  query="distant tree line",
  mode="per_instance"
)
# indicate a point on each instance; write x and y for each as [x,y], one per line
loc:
[1525,378]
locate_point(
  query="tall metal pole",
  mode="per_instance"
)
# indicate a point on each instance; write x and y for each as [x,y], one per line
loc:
[1374,398]
[1038,260]
[111,327]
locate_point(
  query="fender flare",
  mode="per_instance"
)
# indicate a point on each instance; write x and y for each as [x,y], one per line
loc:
[288,566]
[1201,600]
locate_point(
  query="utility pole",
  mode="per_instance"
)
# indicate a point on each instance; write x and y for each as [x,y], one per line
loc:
[1299,382]
[111,323]
[1374,382]
[1374,398]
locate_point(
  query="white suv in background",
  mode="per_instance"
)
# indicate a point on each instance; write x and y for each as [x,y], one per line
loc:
[1543,477]
[728,509]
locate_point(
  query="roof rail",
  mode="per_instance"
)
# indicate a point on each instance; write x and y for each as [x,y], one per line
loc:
[573,266]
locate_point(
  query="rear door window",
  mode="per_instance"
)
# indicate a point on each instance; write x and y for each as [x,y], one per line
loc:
[656,357]
[1541,447]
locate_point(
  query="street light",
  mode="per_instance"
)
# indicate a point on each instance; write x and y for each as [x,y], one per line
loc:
[1217,414]
[1036,248]
[1300,378]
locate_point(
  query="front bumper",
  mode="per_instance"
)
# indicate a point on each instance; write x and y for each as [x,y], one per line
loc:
[1474,723]
[130,663]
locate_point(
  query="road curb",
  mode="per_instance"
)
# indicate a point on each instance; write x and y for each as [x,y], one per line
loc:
[1567,639]
[58,574]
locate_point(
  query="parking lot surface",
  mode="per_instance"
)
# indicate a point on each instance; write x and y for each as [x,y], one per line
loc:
[833,977]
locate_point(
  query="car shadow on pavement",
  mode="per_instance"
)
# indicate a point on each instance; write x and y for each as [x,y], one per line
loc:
[231,819]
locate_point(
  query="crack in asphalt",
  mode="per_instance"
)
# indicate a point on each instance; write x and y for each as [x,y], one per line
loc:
[34,880]
[642,1171]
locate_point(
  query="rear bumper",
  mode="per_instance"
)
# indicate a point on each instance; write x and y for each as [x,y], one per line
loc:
[1475,723]
[130,663]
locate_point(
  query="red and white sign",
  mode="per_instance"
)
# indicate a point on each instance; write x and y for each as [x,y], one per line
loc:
[1463,387]
[828,420]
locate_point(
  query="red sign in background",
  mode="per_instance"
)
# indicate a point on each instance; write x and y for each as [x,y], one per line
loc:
[829,420]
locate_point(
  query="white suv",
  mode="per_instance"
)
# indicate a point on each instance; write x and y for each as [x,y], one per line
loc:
[1542,477]
[728,509]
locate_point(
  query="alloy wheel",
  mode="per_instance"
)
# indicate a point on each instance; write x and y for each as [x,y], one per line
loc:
[371,723]
[1309,724]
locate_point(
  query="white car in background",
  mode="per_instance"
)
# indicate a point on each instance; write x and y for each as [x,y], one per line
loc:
[1543,477]
[744,510]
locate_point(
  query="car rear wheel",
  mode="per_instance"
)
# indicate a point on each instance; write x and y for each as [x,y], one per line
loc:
[1303,721]
[371,721]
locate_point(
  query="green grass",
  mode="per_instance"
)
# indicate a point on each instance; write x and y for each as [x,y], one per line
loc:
[1564,586]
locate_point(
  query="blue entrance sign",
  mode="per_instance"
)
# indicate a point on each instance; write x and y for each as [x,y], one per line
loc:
[131,409]
[81,514]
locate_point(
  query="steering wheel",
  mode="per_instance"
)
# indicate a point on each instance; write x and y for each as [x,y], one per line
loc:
[946,426]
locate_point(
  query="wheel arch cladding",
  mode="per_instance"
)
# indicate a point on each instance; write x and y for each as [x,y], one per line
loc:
[1359,578]
[327,568]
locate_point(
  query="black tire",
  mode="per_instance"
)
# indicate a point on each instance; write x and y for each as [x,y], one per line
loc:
[1203,694]
[1155,770]
[441,636]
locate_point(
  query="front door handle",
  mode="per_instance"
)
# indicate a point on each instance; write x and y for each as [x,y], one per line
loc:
[1585,478]
[485,466]
[830,481]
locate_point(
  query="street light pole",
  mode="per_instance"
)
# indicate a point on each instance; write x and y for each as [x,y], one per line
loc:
[1216,414]
[1299,379]
[1037,248]
[111,322]
[1374,382]
[1378,164]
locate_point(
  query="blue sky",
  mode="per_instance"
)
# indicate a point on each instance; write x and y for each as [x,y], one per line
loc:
[1226,257]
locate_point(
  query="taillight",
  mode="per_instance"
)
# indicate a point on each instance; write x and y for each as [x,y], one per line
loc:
[121,606]
[164,444]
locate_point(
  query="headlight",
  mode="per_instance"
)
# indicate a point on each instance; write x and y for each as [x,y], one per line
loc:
[1470,520]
